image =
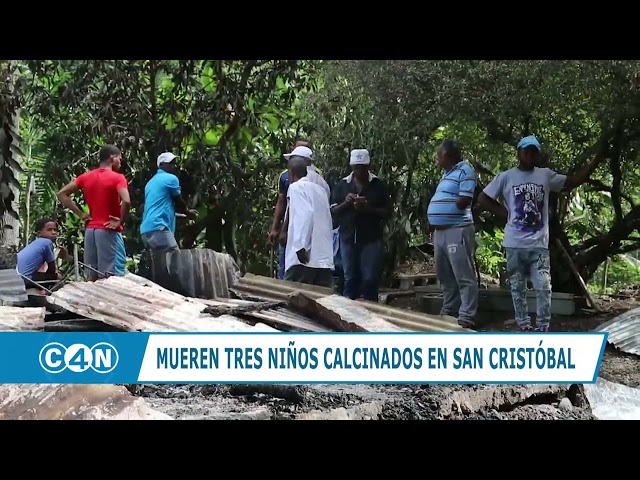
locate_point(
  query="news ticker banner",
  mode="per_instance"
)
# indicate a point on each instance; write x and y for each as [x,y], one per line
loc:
[300,358]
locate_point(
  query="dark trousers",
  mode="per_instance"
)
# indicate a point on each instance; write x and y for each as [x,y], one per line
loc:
[362,264]
[41,277]
[311,276]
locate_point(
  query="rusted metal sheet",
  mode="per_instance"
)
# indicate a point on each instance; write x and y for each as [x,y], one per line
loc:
[268,288]
[624,331]
[12,288]
[22,318]
[350,312]
[137,304]
[197,273]
[73,402]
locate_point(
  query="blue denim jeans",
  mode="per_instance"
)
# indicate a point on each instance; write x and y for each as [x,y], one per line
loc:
[160,241]
[361,264]
[534,264]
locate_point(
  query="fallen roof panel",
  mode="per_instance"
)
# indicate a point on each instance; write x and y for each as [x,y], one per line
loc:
[22,318]
[624,331]
[73,402]
[135,304]
[12,288]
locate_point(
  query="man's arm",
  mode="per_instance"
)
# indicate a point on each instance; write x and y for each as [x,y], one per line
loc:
[173,185]
[281,204]
[383,211]
[467,188]
[64,196]
[125,204]
[339,201]
[488,199]
[578,178]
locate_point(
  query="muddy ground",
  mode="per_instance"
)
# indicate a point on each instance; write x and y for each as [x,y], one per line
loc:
[401,402]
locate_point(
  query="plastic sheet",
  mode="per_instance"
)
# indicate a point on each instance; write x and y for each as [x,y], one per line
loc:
[613,401]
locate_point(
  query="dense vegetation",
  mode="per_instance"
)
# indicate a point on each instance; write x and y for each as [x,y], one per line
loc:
[230,121]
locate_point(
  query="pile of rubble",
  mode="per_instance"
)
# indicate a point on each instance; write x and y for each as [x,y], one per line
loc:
[133,303]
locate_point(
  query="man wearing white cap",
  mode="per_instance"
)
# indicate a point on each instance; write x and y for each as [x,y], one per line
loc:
[524,191]
[301,149]
[360,206]
[162,195]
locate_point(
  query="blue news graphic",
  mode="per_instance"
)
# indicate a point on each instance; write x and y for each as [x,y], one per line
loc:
[300,358]
[70,357]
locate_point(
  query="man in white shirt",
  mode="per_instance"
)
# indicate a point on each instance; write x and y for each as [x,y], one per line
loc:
[309,251]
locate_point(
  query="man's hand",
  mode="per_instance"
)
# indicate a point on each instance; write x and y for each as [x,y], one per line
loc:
[350,199]
[59,276]
[63,253]
[360,203]
[303,256]
[85,217]
[192,214]
[113,223]
[273,235]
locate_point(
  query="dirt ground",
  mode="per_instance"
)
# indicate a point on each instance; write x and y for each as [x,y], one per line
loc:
[399,402]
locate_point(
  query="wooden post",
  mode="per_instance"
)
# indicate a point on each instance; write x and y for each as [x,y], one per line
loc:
[575,272]
[76,265]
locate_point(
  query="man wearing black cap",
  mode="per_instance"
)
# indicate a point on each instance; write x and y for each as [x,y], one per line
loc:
[524,193]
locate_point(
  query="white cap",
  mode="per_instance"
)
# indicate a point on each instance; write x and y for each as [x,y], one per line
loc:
[305,152]
[166,157]
[360,157]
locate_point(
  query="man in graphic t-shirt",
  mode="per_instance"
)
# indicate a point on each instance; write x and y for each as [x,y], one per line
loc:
[524,193]
[106,193]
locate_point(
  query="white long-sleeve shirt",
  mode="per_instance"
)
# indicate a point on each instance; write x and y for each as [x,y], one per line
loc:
[314,177]
[310,225]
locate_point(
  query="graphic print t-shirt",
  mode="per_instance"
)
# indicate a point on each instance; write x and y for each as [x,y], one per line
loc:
[525,194]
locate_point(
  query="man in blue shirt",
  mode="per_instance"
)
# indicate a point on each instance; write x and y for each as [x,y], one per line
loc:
[451,221]
[162,195]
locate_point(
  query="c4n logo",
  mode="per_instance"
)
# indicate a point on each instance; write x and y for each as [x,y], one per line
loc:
[78,358]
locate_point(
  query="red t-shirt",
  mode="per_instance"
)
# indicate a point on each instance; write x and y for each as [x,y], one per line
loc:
[100,188]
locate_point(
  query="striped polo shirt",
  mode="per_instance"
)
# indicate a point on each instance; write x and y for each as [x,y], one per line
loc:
[460,181]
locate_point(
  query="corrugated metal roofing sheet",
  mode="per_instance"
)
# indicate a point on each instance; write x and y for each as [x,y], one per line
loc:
[19,318]
[624,331]
[197,273]
[136,304]
[12,287]
[73,402]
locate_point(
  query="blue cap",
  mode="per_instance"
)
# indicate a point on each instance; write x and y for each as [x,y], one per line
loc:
[530,141]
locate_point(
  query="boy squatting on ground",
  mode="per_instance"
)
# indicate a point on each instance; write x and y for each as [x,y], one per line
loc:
[524,193]
[37,261]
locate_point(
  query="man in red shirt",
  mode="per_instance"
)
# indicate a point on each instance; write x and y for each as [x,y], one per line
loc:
[106,193]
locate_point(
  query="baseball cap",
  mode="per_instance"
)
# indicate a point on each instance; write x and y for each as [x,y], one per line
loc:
[166,157]
[359,156]
[301,151]
[530,141]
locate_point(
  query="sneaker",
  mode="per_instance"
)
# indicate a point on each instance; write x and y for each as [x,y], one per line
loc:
[466,324]
[526,328]
[542,328]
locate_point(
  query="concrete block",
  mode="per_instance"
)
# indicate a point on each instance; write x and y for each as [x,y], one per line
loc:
[499,300]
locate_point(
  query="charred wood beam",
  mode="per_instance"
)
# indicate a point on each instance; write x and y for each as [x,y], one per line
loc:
[217,311]
[290,393]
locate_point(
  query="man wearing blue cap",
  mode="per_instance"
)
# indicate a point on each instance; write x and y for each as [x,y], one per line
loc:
[524,195]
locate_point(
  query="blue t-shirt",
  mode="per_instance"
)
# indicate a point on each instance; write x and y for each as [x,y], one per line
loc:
[283,181]
[159,208]
[460,181]
[34,255]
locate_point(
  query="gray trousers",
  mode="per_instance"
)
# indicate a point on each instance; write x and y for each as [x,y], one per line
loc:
[454,250]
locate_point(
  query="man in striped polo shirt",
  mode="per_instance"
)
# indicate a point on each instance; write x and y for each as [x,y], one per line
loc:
[451,221]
